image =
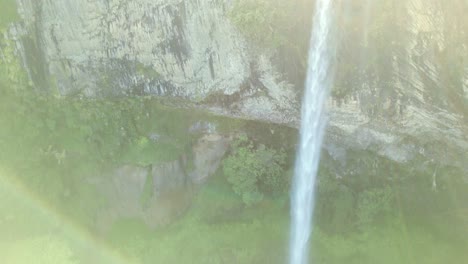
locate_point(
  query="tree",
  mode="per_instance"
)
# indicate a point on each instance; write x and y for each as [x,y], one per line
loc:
[254,172]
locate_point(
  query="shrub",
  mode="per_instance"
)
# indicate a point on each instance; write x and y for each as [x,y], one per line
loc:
[254,172]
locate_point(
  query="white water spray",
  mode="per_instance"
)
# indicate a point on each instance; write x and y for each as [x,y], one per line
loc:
[311,134]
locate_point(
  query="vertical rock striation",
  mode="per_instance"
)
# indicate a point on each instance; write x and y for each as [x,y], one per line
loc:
[179,48]
[400,90]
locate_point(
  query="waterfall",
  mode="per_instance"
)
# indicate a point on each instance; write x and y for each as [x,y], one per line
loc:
[311,133]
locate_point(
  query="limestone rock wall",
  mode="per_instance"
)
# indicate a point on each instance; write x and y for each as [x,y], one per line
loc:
[179,48]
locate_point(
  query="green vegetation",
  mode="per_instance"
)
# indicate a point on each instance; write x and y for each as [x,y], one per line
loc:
[56,144]
[220,229]
[263,21]
[217,229]
[40,250]
[255,171]
[373,204]
[8,13]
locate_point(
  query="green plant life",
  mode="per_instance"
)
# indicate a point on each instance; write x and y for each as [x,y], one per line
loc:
[254,171]
[8,12]
[263,21]
[12,76]
[343,210]
[40,250]
[274,180]
[336,204]
[372,205]
[243,169]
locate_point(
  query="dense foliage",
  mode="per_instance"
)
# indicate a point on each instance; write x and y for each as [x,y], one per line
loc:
[255,171]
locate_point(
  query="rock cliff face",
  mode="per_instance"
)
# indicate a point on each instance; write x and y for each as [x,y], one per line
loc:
[405,94]
[402,66]
[187,49]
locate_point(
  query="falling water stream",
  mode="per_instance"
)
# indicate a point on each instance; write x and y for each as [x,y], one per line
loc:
[312,129]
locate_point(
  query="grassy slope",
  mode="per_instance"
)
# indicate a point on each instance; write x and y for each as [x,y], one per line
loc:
[217,229]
